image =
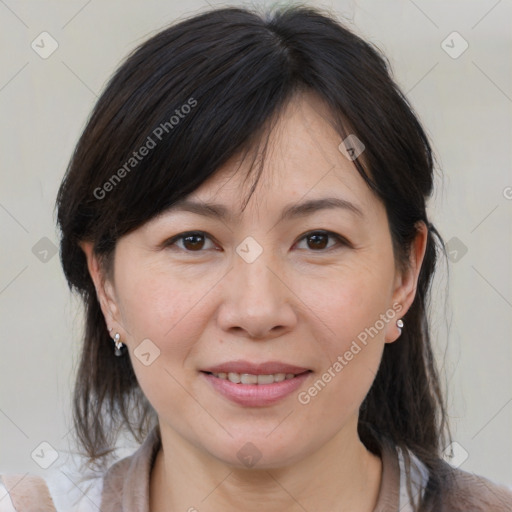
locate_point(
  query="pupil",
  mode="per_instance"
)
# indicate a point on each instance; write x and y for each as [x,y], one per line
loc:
[322,242]
[194,244]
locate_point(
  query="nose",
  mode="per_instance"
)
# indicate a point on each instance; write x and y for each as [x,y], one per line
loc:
[256,301]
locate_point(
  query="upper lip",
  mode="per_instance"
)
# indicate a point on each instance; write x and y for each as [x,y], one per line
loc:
[267,368]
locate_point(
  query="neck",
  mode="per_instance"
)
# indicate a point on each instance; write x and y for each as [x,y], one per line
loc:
[341,476]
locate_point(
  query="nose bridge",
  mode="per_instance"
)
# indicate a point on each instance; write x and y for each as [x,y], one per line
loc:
[252,265]
[255,299]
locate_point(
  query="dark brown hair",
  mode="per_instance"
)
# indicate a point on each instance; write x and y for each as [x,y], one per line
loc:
[204,90]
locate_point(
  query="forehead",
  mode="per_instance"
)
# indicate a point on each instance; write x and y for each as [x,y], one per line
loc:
[301,162]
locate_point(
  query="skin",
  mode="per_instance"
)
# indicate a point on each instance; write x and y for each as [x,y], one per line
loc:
[298,303]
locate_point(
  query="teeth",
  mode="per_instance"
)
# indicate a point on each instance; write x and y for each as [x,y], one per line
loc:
[234,377]
[264,379]
[247,378]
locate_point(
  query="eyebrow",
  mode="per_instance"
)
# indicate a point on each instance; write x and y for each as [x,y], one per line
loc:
[220,211]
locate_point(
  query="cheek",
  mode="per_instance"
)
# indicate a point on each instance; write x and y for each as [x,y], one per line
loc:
[161,309]
[158,305]
[355,313]
[352,300]
[351,352]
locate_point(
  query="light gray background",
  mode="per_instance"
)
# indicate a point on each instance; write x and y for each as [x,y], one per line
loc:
[464,103]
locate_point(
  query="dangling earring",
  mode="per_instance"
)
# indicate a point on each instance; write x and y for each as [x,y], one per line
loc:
[119,345]
[399,324]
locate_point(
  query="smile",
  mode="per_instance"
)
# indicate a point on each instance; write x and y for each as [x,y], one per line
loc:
[248,378]
[252,390]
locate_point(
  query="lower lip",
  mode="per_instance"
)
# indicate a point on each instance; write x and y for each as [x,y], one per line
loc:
[254,395]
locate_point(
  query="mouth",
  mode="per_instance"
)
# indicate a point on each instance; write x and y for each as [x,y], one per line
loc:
[252,389]
[255,379]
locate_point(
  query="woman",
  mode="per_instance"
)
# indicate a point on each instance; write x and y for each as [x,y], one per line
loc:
[265,338]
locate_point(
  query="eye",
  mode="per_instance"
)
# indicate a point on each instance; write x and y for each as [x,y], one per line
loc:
[193,241]
[318,239]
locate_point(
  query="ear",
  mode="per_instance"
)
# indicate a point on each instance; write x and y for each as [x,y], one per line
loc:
[105,291]
[406,282]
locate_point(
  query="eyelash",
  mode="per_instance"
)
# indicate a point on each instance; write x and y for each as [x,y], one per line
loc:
[342,241]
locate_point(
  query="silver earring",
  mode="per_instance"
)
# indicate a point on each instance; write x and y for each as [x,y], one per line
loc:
[399,324]
[118,344]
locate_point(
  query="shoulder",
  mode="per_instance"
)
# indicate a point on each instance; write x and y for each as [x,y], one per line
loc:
[461,491]
[57,492]
[67,489]
[466,491]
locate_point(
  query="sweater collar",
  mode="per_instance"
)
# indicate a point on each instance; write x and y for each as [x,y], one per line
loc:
[126,483]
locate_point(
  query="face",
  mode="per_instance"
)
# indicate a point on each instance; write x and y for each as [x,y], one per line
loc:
[317,289]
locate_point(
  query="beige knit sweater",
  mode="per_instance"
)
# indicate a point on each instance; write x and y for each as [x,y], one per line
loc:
[125,488]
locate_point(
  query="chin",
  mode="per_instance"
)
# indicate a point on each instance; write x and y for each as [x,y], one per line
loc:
[256,451]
